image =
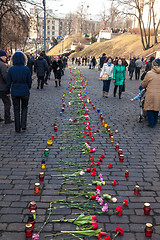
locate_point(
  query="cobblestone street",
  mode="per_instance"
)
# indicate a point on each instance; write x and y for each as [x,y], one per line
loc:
[21,155]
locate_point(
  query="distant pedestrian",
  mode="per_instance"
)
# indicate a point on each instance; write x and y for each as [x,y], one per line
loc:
[90,62]
[85,59]
[19,81]
[138,66]
[107,68]
[41,68]
[93,62]
[147,67]
[47,73]
[152,100]
[30,63]
[102,60]
[99,68]
[119,75]
[72,60]
[131,68]
[57,67]
[3,82]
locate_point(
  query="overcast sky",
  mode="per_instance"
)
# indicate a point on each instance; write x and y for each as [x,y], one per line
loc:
[95,7]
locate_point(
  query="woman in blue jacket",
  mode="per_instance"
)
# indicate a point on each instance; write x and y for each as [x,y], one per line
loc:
[18,84]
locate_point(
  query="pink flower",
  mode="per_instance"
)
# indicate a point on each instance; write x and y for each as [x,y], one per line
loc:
[105,208]
[116,131]
[101,179]
[100,175]
[98,191]
[35,236]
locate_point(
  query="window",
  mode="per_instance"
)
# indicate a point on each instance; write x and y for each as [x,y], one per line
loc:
[48,21]
[48,32]
[48,27]
[53,27]
[53,33]
[52,22]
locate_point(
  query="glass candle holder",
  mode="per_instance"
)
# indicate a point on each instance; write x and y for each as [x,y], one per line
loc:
[49,142]
[28,230]
[41,176]
[32,206]
[111,134]
[52,137]
[57,119]
[62,109]
[94,107]
[121,158]
[31,220]
[37,187]
[148,230]
[119,152]
[109,130]
[46,152]
[126,173]
[63,104]
[55,128]
[147,208]
[111,139]
[136,190]
[117,146]
[105,125]
[61,114]
[43,164]
[98,110]
[33,212]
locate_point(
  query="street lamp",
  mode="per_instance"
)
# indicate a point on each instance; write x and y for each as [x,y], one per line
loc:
[44,7]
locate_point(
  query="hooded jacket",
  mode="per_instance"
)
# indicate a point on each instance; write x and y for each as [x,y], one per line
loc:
[40,66]
[152,83]
[3,75]
[19,77]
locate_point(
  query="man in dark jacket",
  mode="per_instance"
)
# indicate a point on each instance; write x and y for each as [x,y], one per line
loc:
[3,80]
[102,60]
[40,67]
[49,67]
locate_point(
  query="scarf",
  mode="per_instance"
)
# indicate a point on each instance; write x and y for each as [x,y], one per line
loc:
[109,64]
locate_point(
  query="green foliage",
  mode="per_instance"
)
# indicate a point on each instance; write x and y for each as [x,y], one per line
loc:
[93,39]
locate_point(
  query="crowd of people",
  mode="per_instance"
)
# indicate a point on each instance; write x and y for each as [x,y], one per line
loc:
[16,82]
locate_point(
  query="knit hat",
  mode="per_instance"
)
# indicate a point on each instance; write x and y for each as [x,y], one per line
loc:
[3,53]
[156,62]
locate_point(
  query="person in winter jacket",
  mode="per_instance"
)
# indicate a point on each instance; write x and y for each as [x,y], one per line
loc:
[30,63]
[119,75]
[131,68]
[149,64]
[102,60]
[47,74]
[3,81]
[57,69]
[152,100]
[93,62]
[18,84]
[107,68]
[138,66]
[41,68]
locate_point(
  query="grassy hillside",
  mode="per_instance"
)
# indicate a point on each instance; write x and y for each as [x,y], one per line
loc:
[62,45]
[125,45]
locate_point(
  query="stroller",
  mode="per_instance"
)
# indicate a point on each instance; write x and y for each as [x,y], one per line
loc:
[143,113]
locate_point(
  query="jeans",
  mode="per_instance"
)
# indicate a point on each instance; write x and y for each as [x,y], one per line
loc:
[20,119]
[120,90]
[40,81]
[131,75]
[152,117]
[7,106]
[106,85]
[137,73]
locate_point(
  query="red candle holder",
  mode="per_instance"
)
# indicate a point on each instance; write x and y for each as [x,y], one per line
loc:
[109,129]
[120,152]
[136,190]
[37,187]
[32,206]
[111,134]
[147,208]
[121,158]
[126,173]
[28,230]
[52,137]
[117,146]
[55,128]
[41,176]
[148,230]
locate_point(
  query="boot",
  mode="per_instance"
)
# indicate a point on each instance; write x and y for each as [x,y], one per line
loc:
[59,83]
[103,93]
[56,83]
[106,94]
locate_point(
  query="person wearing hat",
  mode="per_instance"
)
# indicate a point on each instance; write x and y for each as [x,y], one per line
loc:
[152,100]
[3,81]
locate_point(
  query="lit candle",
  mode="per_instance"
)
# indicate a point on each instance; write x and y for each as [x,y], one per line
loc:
[31,220]
[43,164]
[112,139]
[148,230]
[126,173]
[61,114]
[136,190]
[37,187]
[147,208]
[34,214]
[119,152]
[32,206]
[62,109]
[117,146]
[121,158]
[49,141]
[98,110]
[55,128]
[28,230]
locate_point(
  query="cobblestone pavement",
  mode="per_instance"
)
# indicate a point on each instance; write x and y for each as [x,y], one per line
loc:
[21,155]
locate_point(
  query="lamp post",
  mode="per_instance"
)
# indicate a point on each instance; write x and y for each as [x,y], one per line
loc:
[44,7]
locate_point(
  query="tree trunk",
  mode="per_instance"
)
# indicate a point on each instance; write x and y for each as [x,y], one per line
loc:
[1,33]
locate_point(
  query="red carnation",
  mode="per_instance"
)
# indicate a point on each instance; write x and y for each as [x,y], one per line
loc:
[102,156]
[119,230]
[93,173]
[98,187]
[109,165]
[91,151]
[84,136]
[94,226]
[98,163]
[114,183]
[94,168]
[101,159]
[87,142]
[94,217]
[94,197]
[75,120]
[89,127]
[92,158]
[92,139]
[119,210]
[88,169]
[125,202]
[92,163]
[101,234]
[85,131]
[107,238]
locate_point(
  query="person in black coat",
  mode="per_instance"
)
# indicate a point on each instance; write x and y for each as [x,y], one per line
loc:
[93,62]
[19,81]
[47,58]
[131,68]
[102,60]
[57,69]
[30,63]
[40,67]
